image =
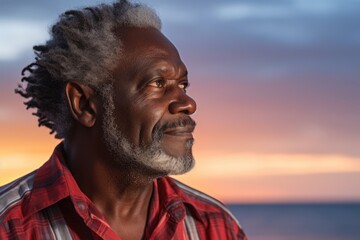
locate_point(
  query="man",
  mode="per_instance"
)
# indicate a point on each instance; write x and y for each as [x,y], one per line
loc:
[114,89]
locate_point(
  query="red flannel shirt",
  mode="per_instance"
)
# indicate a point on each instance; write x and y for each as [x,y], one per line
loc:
[48,204]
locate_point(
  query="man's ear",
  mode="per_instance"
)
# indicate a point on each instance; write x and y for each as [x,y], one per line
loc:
[82,103]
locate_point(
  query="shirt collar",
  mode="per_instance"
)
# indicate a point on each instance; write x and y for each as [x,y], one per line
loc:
[173,199]
[52,182]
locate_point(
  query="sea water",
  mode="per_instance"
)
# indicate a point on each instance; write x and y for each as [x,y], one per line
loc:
[299,221]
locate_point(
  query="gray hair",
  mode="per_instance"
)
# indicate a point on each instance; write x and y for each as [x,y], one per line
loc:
[83,46]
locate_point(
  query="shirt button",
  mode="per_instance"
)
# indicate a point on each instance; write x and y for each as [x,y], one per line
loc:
[81,207]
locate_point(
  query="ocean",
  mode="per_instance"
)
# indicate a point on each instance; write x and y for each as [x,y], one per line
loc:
[299,221]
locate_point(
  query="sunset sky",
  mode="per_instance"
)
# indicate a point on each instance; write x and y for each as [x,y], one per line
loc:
[277,85]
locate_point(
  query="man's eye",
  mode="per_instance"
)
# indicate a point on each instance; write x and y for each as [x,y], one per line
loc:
[184,85]
[159,83]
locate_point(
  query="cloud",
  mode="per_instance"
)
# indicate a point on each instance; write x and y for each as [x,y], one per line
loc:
[278,9]
[243,10]
[19,36]
[170,15]
[317,7]
[41,9]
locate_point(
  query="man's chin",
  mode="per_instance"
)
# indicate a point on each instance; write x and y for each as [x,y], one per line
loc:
[176,147]
[166,164]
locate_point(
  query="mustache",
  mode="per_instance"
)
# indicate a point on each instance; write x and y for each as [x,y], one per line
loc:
[180,122]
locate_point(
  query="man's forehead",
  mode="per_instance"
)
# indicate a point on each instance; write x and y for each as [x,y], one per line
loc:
[136,39]
[146,49]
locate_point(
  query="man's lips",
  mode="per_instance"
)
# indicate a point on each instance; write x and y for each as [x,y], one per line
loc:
[180,131]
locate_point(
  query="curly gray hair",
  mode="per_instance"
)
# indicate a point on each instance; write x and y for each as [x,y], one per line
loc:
[83,46]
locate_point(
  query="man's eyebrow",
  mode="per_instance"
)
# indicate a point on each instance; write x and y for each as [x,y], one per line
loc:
[157,52]
[185,73]
[181,73]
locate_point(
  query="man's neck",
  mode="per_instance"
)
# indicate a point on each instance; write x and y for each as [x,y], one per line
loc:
[121,194]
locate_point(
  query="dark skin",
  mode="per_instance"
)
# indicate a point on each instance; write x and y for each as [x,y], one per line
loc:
[150,89]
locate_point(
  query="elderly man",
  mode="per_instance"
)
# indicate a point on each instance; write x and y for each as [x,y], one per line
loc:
[113,87]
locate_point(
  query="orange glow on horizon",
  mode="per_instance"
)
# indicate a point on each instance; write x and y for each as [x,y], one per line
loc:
[231,178]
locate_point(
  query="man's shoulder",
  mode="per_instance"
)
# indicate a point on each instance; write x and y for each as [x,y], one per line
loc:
[200,198]
[204,204]
[13,194]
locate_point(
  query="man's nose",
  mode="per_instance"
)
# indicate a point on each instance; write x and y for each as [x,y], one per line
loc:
[182,104]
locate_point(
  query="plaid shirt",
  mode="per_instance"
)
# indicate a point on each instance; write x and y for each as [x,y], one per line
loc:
[48,204]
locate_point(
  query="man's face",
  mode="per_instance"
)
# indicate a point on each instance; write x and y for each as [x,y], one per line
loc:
[148,120]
